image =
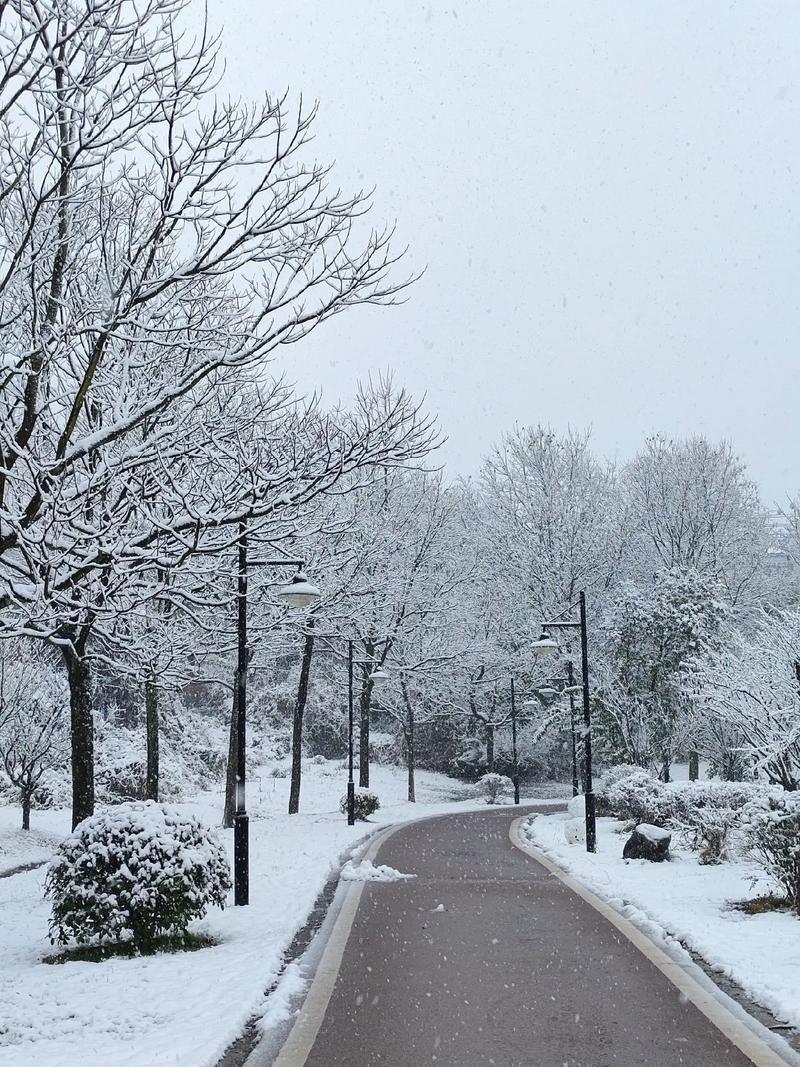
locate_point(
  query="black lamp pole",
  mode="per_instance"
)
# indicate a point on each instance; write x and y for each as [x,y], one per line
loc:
[591,821]
[241,829]
[514,767]
[351,788]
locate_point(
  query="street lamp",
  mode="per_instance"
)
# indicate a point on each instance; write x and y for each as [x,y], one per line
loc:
[545,647]
[299,593]
[378,676]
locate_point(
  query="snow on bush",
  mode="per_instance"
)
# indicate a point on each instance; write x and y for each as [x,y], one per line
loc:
[615,774]
[135,872]
[494,786]
[771,826]
[366,804]
[636,797]
[188,762]
[706,813]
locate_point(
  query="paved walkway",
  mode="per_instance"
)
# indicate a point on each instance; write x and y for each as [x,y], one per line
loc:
[515,970]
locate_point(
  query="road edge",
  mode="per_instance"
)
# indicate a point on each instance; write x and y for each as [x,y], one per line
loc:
[762,1047]
[303,1034]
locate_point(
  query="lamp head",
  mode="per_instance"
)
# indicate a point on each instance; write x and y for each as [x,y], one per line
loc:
[379,676]
[299,593]
[545,646]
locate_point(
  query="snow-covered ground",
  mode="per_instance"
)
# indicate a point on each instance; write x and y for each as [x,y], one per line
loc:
[183,1009]
[19,847]
[690,903]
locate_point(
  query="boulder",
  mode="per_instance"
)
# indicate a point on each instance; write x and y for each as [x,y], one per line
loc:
[647,842]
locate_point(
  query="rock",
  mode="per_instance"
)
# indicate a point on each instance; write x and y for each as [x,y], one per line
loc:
[575,831]
[576,807]
[647,842]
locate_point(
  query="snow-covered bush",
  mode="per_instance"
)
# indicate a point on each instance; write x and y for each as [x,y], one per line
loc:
[135,872]
[708,829]
[636,796]
[607,781]
[615,774]
[366,804]
[494,786]
[186,763]
[771,826]
[706,813]
[470,761]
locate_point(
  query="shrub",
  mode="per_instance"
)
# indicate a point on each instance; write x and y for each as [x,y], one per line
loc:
[636,796]
[708,828]
[609,779]
[138,872]
[470,762]
[366,804]
[615,774]
[494,786]
[771,826]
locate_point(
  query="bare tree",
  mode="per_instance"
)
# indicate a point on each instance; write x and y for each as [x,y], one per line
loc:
[159,246]
[34,731]
[691,506]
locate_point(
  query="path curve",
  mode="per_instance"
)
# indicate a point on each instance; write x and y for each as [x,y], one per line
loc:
[487,958]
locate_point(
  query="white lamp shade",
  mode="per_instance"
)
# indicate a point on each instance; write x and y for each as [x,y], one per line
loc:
[545,647]
[379,676]
[299,593]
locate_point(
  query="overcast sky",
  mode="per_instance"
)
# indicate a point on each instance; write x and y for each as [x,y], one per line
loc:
[605,197]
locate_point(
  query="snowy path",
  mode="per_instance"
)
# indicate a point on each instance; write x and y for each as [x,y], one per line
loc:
[486,958]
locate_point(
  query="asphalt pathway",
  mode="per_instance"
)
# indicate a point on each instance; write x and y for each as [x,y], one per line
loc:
[486,958]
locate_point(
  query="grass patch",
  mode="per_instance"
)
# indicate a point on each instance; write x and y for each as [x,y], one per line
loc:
[761,905]
[129,950]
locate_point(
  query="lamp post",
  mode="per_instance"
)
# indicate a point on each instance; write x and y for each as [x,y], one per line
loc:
[378,676]
[298,594]
[546,646]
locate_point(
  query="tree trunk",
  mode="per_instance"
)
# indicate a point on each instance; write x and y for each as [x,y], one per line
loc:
[363,734]
[665,766]
[26,809]
[411,745]
[297,725]
[151,719]
[230,777]
[82,732]
[694,765]
[365,703]
[489,748]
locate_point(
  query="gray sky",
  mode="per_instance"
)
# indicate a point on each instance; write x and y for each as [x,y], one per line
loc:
[605,196]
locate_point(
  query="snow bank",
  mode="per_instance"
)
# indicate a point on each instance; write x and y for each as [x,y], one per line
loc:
[366,871]
[690,903]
